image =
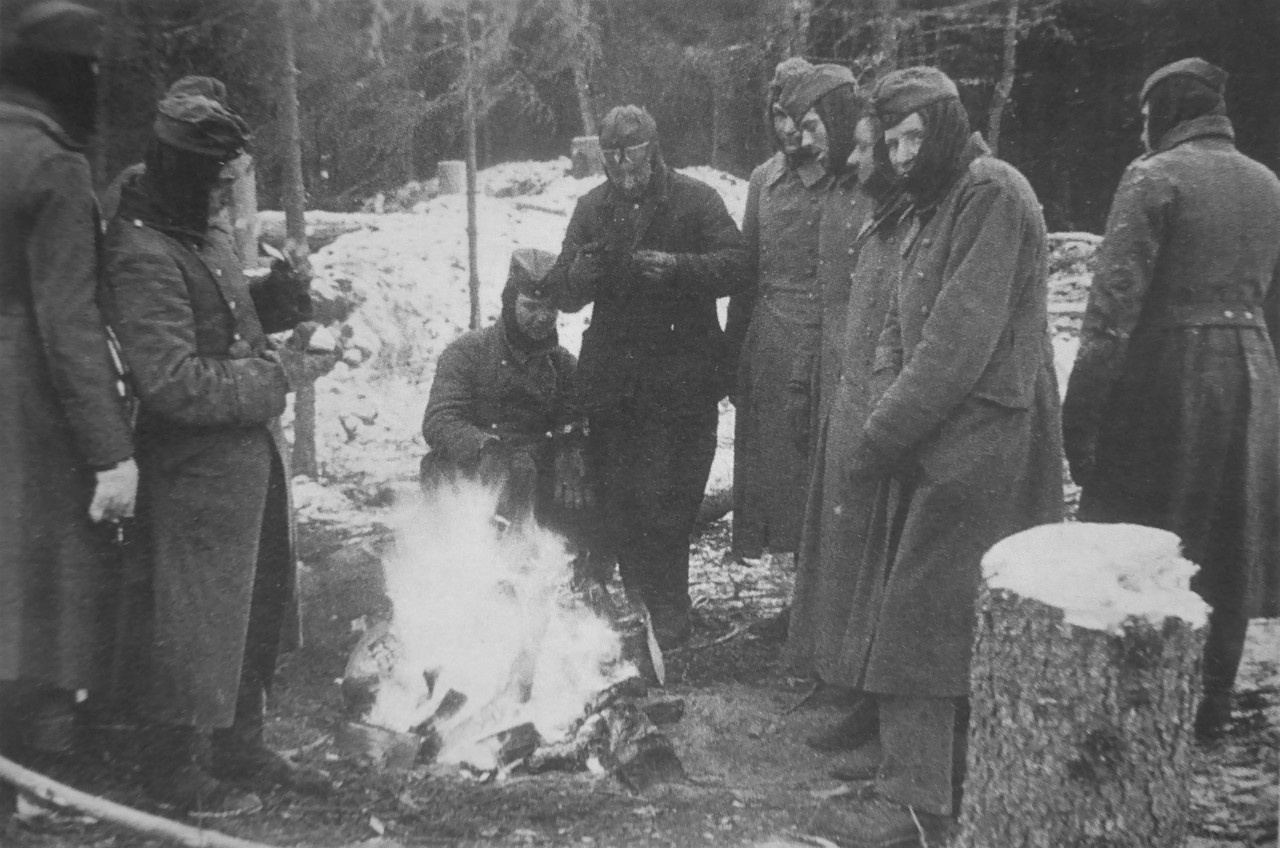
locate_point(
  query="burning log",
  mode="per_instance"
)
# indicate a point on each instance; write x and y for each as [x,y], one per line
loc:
[1084,685]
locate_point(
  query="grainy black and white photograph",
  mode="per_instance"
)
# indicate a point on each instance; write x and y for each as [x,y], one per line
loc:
[593,423]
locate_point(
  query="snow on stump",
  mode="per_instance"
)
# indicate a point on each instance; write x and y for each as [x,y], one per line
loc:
[452,174]
[1083,690]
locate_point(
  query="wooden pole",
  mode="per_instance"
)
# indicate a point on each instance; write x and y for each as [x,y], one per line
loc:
[473,249]
[1082,715]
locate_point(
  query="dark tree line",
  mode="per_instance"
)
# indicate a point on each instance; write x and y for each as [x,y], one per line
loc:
[381,101]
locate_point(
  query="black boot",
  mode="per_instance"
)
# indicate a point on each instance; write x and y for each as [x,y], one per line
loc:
[175,774]
[240,753]
[1213,717]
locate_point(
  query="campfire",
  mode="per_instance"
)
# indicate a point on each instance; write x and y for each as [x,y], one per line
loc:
[491,661]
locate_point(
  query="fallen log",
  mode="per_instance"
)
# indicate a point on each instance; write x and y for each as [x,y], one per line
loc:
[1083,688]
[61,795]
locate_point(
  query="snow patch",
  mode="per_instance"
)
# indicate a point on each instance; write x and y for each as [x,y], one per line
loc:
[1099,574]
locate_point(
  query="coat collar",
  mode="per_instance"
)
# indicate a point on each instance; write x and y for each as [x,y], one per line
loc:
[1206,126]
[809,172]
[23,106]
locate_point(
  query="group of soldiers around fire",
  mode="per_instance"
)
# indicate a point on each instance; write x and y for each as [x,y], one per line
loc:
[887,348]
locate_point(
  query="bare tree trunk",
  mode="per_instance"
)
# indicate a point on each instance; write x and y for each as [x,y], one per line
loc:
[886,37]
[1008,70]
[473,252]
[585,107]
[294,197]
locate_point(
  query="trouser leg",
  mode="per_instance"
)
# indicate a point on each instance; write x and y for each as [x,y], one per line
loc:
[1224,647]
[917,739]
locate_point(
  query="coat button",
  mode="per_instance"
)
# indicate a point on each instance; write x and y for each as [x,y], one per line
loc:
[137,222]
[235,336]
[231,304]
[218,271]
[851,251]
[924,310]
[1229,314]
[1248,315]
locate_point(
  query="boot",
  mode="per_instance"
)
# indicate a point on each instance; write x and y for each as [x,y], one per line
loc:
[240,753]
[175,774]
[1213,717]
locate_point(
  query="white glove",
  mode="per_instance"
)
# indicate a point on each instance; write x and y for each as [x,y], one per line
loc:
[115,492]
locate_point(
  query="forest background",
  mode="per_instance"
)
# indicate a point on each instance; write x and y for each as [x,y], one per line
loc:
[381,83]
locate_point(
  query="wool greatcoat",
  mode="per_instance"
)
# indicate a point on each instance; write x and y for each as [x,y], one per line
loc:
[859,252]
[1177,372]
[60,414]
[211,571]
[969,421]
[782,311]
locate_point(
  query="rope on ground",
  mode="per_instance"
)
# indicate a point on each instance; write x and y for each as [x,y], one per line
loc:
[49,790]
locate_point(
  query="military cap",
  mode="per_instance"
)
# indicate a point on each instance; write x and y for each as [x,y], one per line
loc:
[528,272]
[787,69]
[909,90]
[800,92]
[201,125]
[202,86]
[626,126]
[1208,73]
[56,26]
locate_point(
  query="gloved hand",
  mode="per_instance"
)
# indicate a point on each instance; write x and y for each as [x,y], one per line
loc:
[301,363]
[283,297]
[654,267]
[115,492]
[799,415]
[513,469]
[572,488]
[868,462]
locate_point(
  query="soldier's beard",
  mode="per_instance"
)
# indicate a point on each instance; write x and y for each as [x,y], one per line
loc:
[631,180]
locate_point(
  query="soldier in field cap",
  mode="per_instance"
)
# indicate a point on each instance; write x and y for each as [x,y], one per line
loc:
[1172,413]
[652,250]
[66,453]
[500,413]
[212,578]
[960,448]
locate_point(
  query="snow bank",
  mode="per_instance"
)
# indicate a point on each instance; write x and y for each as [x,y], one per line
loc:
[1099,574]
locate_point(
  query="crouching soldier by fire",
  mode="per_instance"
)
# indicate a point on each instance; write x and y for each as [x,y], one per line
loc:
[499,409]
[210,594]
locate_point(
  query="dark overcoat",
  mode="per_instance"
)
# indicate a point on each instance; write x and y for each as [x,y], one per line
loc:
[782,310]
[60,414]
[969,420]
[1177,370]
[209,448]
[864,252]
[658,349]
[485,388]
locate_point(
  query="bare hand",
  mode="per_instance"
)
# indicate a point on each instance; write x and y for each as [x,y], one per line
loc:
[115,492]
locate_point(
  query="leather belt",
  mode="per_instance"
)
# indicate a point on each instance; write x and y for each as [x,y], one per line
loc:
[1173,315]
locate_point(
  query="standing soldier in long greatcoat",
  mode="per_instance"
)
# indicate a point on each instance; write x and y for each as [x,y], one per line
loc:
[652,250]
[961,447]
[778,317]
[65,446]
[212,566]
[859,262]
[1172,414]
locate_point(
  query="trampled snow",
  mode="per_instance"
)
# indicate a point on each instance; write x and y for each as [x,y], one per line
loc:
[1099,574]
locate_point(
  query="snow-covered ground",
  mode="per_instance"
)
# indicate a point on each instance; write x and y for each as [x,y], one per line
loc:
[408,274]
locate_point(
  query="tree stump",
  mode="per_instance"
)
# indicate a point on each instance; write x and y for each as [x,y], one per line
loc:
[453,176]
[585,157]
[1084,685]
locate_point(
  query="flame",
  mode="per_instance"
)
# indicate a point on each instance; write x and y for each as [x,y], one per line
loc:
[489,616]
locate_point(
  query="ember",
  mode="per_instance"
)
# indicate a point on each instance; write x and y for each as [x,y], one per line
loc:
[490,660]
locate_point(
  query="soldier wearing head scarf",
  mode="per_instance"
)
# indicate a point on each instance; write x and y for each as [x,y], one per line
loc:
[652,250]
[778,317]
[959,449]
[858,262]
[499,410]
[1172,414]
[212,586]
[65,446]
